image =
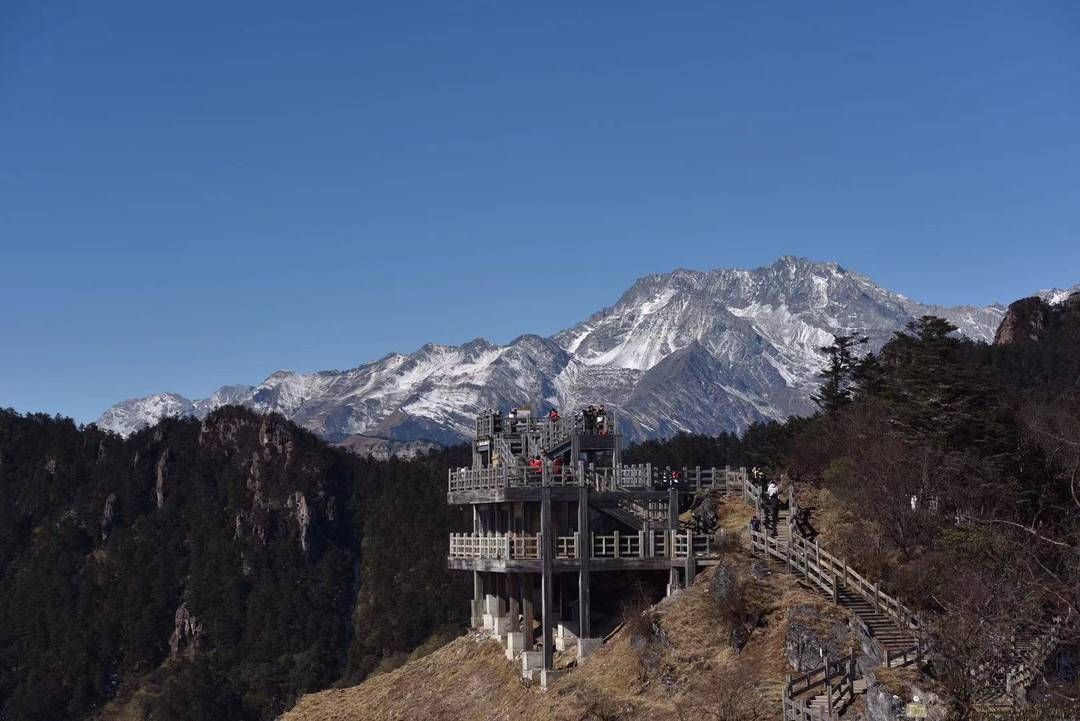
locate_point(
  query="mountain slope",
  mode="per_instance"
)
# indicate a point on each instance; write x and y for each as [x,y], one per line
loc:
[752,337]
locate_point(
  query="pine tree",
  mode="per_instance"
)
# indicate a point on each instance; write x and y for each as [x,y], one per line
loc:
[837,388]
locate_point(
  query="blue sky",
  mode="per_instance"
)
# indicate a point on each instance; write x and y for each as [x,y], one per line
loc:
[199,193]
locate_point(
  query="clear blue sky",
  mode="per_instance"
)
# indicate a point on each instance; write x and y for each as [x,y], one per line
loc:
[196,193]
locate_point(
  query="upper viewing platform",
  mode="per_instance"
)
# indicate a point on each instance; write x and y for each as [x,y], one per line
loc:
[530,435]
[517,453]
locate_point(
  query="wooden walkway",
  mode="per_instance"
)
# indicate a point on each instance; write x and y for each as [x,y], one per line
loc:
[824,693]
[893,631]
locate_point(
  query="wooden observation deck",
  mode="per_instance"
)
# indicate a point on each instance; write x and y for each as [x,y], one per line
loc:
[551,501]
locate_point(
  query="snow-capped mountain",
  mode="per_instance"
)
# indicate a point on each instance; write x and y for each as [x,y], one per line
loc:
[701,351]
[1053,296]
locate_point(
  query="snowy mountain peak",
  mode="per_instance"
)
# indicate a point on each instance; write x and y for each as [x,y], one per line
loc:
[691,350]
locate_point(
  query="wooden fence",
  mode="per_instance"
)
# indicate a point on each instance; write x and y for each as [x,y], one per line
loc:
[657,543]
[835,680]
[832,575]
[619,478]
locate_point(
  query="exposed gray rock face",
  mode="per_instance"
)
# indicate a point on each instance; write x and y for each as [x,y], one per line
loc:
[702,351]
[889,704]
[107,516]
[160,472]
[813,632]
[383,448]
[186,635]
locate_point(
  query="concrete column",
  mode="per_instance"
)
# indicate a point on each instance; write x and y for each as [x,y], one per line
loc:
[547,579]
[673,507]
[584,625]
[691,562]
[673,578]
[476,615]
[512,606]
[527,612]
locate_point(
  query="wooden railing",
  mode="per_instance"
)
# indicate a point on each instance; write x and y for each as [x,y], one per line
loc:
[1024,675]
[832,679]
[657,543]
[619,478]
[831,574]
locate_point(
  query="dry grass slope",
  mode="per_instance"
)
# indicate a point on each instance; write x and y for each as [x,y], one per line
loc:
[469,679]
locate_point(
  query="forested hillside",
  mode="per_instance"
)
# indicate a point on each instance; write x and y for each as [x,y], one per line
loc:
[208,570]
[950,470]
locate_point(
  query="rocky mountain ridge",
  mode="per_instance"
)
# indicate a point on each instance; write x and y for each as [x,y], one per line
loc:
[701,351]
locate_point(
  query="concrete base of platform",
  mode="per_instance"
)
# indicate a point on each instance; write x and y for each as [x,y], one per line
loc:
[586,646]
[532,662]
[499,626]
[549,676]
[565,637]
[515,644]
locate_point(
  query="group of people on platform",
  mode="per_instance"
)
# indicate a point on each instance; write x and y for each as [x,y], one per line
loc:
[536,465]
[595,420]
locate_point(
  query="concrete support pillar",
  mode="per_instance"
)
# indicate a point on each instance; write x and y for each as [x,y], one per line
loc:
[673,507]
[673,530]
[547,579]
[673,578]
[527,612]
[584,535]
[512,604]
[477,603]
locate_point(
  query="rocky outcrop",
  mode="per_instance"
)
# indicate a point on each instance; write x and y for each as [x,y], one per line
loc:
[159,475]
[186,635]
[889,691]
[301,514]
[813,631]
[107,515]
[1026,320]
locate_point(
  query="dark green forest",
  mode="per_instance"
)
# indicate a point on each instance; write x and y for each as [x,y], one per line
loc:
[286,564]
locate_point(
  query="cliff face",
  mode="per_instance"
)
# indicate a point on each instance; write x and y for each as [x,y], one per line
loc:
[1025,320]
[1031,319]
[210,565]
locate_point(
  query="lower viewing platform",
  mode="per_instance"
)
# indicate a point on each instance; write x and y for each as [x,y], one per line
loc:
[658,548]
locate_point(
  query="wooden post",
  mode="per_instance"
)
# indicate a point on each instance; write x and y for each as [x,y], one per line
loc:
[584,561]
[828,686]
[616,544]
[547,578]
[877,593]
[641,544]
